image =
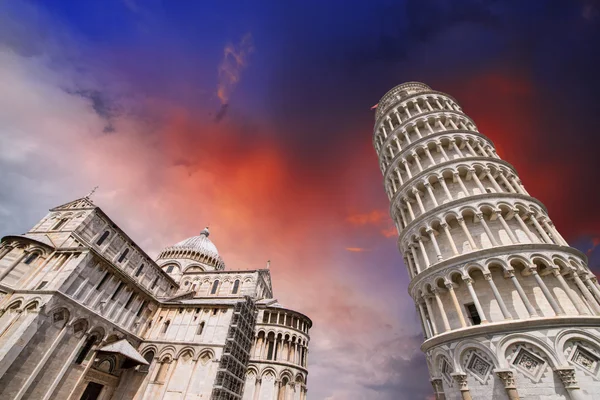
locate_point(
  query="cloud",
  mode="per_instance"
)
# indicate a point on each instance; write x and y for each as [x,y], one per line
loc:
[390,232]
[374,217]
[235,59]
[356,249]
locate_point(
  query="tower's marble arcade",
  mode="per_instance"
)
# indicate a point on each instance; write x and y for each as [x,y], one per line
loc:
[507,307]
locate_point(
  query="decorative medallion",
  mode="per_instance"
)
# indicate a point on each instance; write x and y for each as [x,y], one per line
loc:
[585,359]
[479,367]
[529,363]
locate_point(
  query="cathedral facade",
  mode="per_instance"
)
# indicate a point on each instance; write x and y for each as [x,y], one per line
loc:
[86,314]
[508,309]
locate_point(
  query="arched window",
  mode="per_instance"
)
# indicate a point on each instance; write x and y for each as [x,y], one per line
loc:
[85,349]
[214,287]
[236,286]
[166,326]
[200,328]
[31,258]
[103,238]
[123,255]
[169,269]
[149,356]
[139,270]
[59,224]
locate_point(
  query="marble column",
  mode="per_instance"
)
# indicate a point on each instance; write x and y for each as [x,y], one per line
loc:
[488,277]
[461,380]
[508,379]
[469,283]
[569,381]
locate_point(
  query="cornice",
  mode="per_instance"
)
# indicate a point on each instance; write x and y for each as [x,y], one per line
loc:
[531,324]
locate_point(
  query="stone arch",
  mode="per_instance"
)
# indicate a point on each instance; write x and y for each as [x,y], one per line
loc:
[99,331]
[186,349]
[286,373]
[15,304]
[268,370]
[167,351]
[253,369]
[567,335]
[80,326]
[518,338]
[436,358]
[33,304]
[469,344]
[59,315]
[497,262]
[151,347]
[474,266]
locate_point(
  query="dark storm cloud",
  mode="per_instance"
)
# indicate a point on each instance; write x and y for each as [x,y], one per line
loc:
[102,106]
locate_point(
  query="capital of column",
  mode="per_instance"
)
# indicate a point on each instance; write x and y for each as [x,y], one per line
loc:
[507,377]
[404,161]
[461,379]
[450,285]
[444,225]
[468,280]
[437,384]
[533,269]
[429,230]
[415,191]
[426,184]
[487,276]
[479,215]
[460,220]
[567,376]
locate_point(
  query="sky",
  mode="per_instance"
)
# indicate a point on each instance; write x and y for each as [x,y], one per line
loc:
[255,118]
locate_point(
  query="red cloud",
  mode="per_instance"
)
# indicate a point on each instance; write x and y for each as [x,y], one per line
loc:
[374,217]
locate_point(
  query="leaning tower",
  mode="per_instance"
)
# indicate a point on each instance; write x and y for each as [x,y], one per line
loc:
[508,309]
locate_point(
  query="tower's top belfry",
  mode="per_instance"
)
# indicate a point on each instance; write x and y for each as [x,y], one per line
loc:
[398,93]
[483,256]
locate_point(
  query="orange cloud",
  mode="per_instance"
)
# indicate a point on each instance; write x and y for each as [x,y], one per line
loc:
[356,249]
[371,218]
[390,232]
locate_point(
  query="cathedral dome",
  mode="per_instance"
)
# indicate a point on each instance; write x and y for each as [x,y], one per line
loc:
[196,248]
[200,243]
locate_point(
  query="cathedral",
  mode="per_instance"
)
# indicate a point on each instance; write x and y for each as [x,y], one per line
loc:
[86,314]
[508,309]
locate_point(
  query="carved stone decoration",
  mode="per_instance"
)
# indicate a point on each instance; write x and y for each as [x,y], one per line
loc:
[567,376]
[507,377]
[461,379]
[585,359]
[479,367]
[96,223]
[529,363]
[437,384]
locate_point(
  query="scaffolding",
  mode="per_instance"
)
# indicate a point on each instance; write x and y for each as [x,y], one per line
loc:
[231,375]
